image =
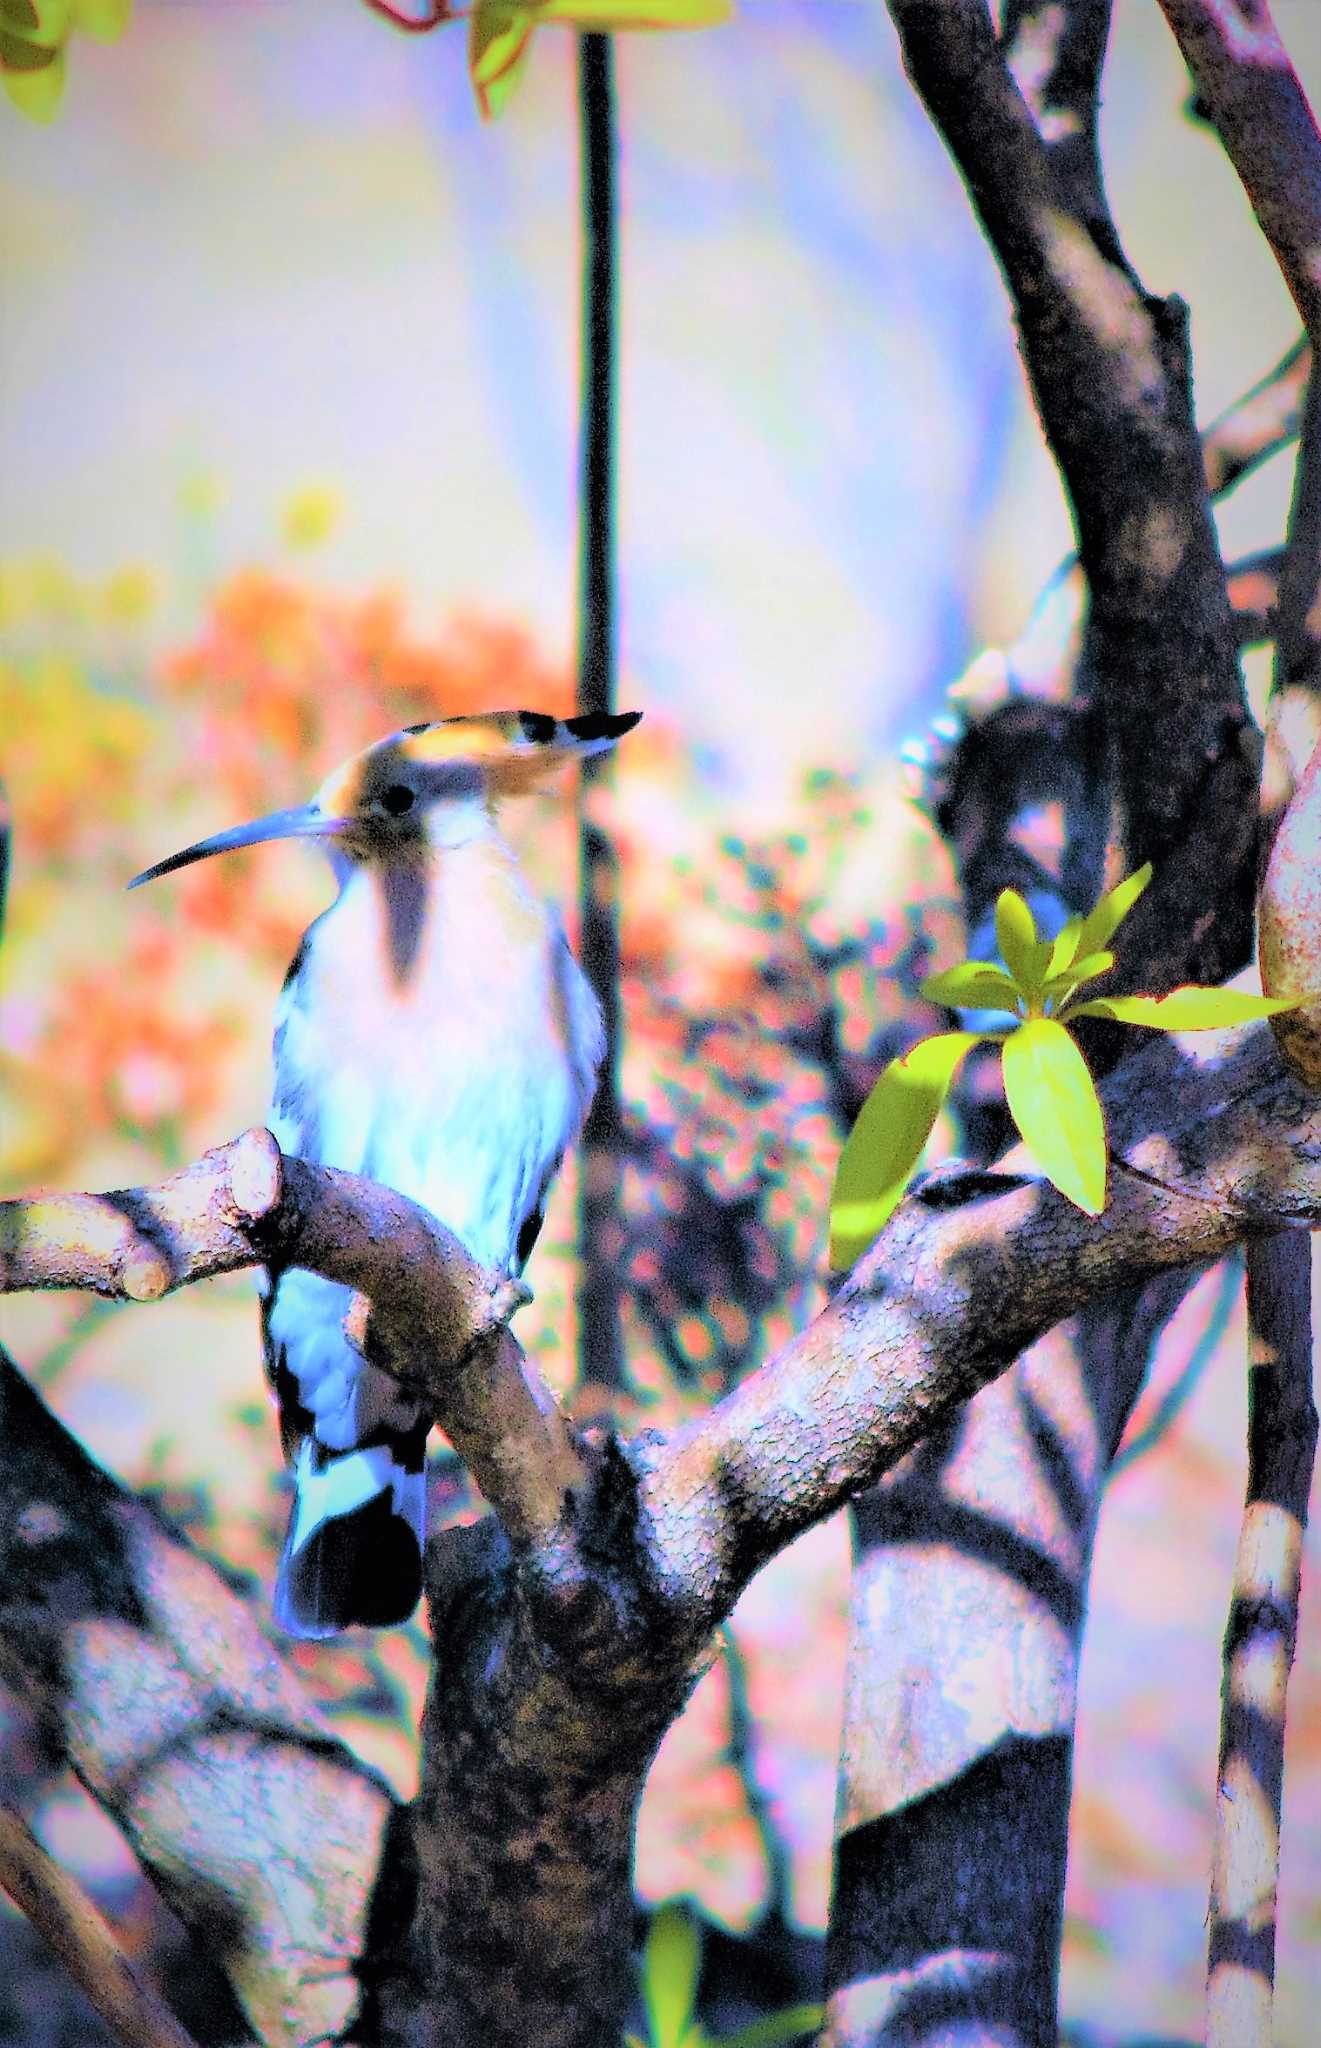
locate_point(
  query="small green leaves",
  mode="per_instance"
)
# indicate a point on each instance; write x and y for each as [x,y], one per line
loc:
[671,1965]
[972,985]
[1016,936]
[33,79]
[1050,1092]
[499,40]
[886,1142]
[775,2028]
[500,33]
[1101,924]
[1184,1009]
[1052,1098]
[671,1960]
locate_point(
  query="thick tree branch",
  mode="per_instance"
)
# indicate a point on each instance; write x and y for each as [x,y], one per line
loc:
[436,1320]
[950,1294]
[1055,52]
[82,1938]
[1259,1645]
[149,1675]
[1212,1140]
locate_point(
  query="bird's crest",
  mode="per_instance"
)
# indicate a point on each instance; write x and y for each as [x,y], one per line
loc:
[515,750]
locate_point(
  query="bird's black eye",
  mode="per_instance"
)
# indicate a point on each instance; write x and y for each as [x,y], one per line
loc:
[398,798]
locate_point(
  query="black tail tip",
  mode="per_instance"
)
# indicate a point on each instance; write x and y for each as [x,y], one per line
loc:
[361,1570]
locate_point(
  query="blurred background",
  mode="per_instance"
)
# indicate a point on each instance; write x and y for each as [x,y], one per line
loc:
[288,416]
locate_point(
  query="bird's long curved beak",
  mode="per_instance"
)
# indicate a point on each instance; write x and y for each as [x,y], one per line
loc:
[305,823]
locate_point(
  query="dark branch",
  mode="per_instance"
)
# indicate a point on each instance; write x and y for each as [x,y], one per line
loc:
[82,1938]
[600,1336]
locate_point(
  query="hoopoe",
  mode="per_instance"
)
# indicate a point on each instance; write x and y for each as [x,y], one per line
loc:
[436,1034]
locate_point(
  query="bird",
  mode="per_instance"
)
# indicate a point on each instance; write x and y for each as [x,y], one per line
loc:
[436,1034]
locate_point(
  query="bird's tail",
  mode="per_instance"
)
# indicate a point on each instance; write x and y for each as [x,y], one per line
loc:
[353,1555]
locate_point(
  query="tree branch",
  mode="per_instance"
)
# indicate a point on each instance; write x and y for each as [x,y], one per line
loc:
[1211,1139]
[1254,590]
[1110,373]
[1259,1645]
[957,1285]
[436,1319]
[150,1676]
[600,1161]
[1249,91]
[1055,53]
[82,1938]
[1257,425]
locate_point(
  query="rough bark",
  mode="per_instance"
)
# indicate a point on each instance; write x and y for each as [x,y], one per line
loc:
[150,1676]
[1259,1645]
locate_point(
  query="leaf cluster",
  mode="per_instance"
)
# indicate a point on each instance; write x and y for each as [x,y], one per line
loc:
[1049,1090]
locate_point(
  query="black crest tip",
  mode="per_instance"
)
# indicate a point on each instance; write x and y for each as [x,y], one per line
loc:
[602,725]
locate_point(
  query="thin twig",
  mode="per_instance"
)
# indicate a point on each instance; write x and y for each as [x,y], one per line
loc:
[600,1337]
[1257,425]
[413,24]
[64,1916]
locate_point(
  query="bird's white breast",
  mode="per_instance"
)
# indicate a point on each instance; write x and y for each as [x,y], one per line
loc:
[457,1077]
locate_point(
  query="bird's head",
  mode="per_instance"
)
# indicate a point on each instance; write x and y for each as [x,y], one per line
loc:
[427,786]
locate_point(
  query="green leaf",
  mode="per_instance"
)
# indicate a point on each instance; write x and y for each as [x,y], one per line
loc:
[499,38]
[1016,936]
[1185,1009]
[1052,1098]
[19,14]
[1086,969]
[103,20]
[37,93]
[53,16]
[1065,947]
[972,985]
[776,2027]
[671,1958]
[886,1142]
[1100,925]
